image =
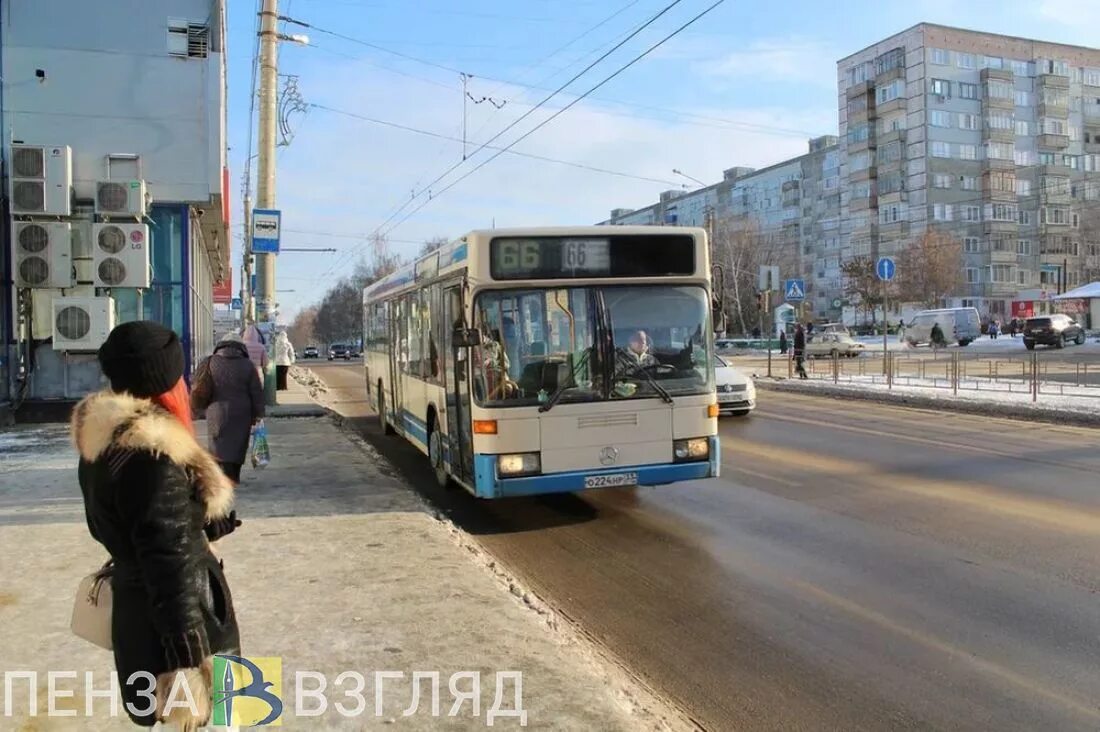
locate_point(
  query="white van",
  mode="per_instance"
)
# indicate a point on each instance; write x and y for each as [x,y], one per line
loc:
[962,325]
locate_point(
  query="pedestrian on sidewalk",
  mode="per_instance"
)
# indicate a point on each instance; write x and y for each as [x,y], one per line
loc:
[936,336]
[154,498]
[257,349]
[783,342]
[284,359]
[800,351]
[229,390]
[994,329]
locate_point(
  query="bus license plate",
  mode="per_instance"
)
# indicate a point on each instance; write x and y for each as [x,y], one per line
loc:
[610,481]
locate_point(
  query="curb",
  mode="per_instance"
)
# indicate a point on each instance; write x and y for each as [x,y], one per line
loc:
[1009,411]
[297,411]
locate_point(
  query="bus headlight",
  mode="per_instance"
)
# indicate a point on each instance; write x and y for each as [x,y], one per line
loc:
[697,448]
[523,463]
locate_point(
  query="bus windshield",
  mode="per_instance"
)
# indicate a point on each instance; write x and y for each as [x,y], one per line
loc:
[592,344]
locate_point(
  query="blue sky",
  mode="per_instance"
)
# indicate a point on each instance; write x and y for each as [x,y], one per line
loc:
[747,85]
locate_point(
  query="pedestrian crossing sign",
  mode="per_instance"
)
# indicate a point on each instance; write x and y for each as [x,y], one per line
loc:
[795,290]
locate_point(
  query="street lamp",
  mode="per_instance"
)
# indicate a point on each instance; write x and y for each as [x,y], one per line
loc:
[682,174]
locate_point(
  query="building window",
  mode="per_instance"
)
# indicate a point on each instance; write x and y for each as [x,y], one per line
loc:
[966,60]
[1047,158]
[972,277]
[1055,97]
[940,149]
[1074,133]
[1020,68]
[859,73]
[969,183]
[859,133]
[1076,221]
[941,180]
[941,211]
[939,118]
[859,162]
[1054,215]
[892,59]
[972,245]
[1070,161]
[1025,218]
[968,121]
[1023,247]
[1002,180]
[1001,212]
[188,40]
[894,90]
[992,62]
[1023,277]
[968,91]
[941,56]
[1023,98]
[999,89]
[999,150]
[1091,77]
[1002,273]
[973,213]
[968,152]
[1052,126]
[1055,186]
[892,214]
[1000,121]
[889,153]
[1023,187]
[942,87]
[1023,127]
[1050,66]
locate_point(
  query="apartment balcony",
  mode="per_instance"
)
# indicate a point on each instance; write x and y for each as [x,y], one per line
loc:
[1093,147]
[885,77]
[997,195]
[1057,169]
[1000,227]
[885,138]
[1002,289]
[859,176]
[894,230]
[863,204]
[863,87]
[989,164]
[856,146]
[1002,256]
[897,105]
[992,102]
[1051,81]
[996,134]
[1054,142]
[1054,197]
[998,75]
[1055,110]
[886,199]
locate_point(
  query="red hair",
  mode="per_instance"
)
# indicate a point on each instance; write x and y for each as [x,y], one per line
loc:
[177,400]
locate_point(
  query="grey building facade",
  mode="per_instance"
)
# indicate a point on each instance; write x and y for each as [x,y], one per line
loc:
[991,139]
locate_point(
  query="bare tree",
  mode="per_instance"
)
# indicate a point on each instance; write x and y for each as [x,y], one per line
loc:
[301,331]
[930,269]
[431,245]
[740,249]
[860,281]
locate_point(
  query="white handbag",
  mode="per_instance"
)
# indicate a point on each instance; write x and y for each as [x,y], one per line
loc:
[92,608]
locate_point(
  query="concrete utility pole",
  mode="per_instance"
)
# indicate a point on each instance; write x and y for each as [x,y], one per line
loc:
[265,193]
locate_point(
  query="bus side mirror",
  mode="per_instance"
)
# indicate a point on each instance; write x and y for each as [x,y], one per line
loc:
[466,337]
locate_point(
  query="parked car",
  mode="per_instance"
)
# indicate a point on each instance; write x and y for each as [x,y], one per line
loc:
[311,352]
[355,351]
[736,391]
[339,351]
[962,325]
[828,345]
[1052,330]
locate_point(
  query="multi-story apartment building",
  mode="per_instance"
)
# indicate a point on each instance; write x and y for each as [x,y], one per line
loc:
[791,209]
[132,96]
[993,139]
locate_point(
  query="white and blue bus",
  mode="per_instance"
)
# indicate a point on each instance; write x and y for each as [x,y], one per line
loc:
[544,360]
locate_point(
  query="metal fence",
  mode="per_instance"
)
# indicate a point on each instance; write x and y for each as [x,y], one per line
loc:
[1046,372]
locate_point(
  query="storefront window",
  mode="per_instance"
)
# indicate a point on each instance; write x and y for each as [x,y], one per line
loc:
[166,233]
[164,304]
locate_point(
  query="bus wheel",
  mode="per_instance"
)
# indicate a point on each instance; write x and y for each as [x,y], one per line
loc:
[386,428]
[435,456]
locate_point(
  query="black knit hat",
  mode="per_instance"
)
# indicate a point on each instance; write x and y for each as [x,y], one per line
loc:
[143,358]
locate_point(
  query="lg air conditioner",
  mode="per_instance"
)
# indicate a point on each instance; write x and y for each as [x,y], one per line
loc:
[120,198]
[82,323]
[120,254]
[41,180]
[43,254]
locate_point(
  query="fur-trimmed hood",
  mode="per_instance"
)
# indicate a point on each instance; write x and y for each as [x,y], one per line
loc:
[108,419]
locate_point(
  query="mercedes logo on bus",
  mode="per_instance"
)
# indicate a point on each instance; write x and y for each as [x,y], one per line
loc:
[609,455]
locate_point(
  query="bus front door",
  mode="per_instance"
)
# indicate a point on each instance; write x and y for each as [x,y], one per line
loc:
[458,391]
[398,354]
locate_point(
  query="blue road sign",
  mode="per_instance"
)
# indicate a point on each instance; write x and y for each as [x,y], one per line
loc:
[886,268]
[794,290]
[266,227]
[236,304]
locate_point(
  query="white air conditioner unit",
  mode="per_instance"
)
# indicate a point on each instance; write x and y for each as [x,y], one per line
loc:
[120,255]
[43,254]
[82,323]
[41,180]
[120,198]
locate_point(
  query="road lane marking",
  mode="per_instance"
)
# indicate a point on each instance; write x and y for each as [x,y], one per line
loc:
[973,495]
[952,652]
[741,469]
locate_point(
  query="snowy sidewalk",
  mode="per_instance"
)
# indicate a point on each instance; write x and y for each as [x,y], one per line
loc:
[337,567]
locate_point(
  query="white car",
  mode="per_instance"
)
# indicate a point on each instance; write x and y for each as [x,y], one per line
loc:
[736,391]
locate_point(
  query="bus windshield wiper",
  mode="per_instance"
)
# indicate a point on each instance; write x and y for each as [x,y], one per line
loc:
[634,369]
[568,384]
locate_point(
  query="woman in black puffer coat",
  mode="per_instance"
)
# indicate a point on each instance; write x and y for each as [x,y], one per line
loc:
[228,388]
[154,498]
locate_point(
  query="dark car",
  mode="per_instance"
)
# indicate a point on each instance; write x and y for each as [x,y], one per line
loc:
[1052,330]
[339,351]
[311,352]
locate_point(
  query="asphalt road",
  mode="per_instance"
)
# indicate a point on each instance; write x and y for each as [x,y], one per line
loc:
[858,566]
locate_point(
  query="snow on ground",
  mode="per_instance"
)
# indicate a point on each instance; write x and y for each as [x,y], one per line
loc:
[1052,395]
